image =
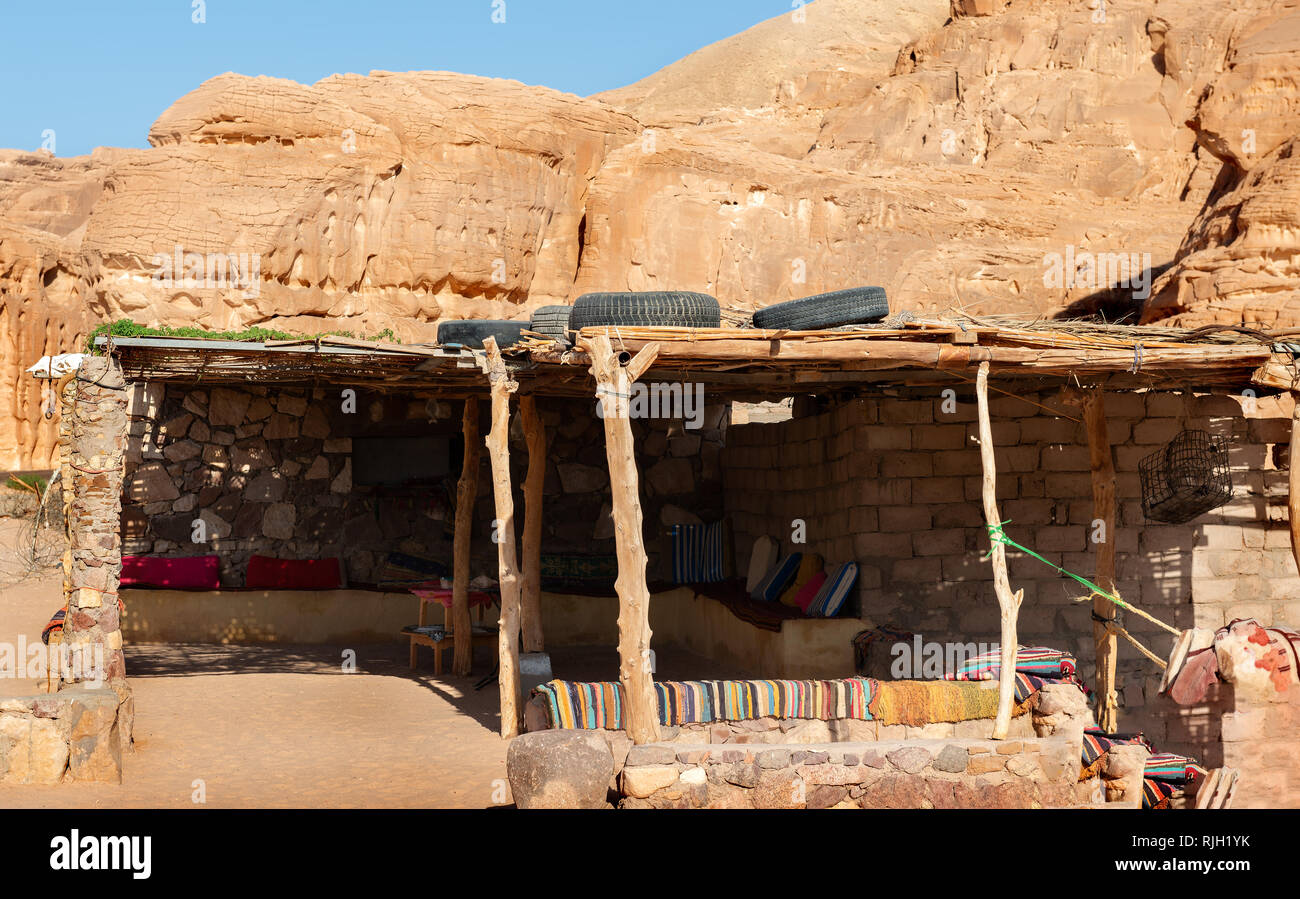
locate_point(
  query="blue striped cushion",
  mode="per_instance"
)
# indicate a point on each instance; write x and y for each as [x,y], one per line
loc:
[698,553]
[830,599]
[771,587]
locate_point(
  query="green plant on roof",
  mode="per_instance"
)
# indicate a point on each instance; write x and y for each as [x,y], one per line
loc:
[124,327]
[32,483]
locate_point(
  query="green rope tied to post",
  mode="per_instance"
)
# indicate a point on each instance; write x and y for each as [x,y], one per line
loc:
[998,535]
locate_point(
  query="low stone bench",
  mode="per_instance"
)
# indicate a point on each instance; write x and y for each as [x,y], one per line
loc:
[1027,773]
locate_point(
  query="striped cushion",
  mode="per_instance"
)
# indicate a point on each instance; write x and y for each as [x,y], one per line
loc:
[569,704]
[809,591]
[761,560]
[811,565]
[771,587]
[698,556]
[1040,661]
[830,599]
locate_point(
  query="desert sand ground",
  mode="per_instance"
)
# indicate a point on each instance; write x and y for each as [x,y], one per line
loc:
[276,726]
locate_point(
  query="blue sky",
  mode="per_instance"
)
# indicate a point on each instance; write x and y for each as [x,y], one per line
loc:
[98,72]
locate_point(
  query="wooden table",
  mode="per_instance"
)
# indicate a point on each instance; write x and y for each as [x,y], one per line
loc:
[479,633]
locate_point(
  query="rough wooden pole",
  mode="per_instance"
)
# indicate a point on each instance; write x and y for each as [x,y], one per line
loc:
[498,445]
[613,384]
[531,600]
[1103,509]
[1008,603]
[1293,481]
[466,492]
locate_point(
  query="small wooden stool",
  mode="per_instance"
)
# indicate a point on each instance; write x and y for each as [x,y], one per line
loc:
[479,635]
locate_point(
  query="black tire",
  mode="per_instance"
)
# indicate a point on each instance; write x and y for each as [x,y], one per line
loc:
[470,333]
[654,308]
[553,321]
[853,306]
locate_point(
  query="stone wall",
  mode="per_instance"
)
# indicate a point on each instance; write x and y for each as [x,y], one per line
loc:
[269,470]
[78,733]
[93,426]
[1030,773]
[894,483]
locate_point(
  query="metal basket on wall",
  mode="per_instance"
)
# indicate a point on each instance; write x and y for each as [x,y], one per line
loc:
[1188,477]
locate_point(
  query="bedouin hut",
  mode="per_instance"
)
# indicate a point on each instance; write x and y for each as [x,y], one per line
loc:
[931,454]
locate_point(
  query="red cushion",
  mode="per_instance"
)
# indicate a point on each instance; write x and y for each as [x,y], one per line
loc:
[191,573]
[266,573]
[808,592]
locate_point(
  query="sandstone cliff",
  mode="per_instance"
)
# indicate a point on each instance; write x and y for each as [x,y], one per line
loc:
[942,151]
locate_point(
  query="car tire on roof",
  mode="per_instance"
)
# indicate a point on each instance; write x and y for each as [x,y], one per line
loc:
[471,333]
[653,308]
[852,306]
[553,321]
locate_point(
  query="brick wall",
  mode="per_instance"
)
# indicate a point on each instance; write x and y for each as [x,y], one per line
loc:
[894,484]
[1253,733]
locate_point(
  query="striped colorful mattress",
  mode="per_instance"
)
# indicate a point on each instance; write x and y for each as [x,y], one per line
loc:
[1039,661]
[570,704]
[1165,774]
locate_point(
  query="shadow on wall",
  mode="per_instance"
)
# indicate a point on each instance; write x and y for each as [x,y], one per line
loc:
[894,483]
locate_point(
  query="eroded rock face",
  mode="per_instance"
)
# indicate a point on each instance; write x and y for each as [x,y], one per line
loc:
[944,149]
[1240,262]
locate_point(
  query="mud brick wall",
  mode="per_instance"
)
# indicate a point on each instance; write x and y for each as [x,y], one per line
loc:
[894,484]
[270,471]
[1258,735]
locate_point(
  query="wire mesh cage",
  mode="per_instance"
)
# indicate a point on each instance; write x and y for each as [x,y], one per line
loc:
[1187,477]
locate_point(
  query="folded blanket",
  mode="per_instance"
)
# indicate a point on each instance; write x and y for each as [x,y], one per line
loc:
[1156,793]
[766,616]
[1172,767]
[600,705]
[1096,743]
[1040,661]
[918,702]
[400,569]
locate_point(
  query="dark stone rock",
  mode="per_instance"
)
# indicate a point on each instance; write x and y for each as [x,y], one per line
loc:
[559,769]
[910,759]
[652,754]
[743,774]
[177,528]
[952,759]
[248,520]
[826,796]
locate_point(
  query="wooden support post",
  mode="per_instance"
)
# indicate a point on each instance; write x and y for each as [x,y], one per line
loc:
[1008,603]
[1103,510]
[498,446]
[1293,481]
[613,384]
[466,492]
[531,601]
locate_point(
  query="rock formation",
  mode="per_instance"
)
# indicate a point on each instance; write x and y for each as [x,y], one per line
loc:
[948,150]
